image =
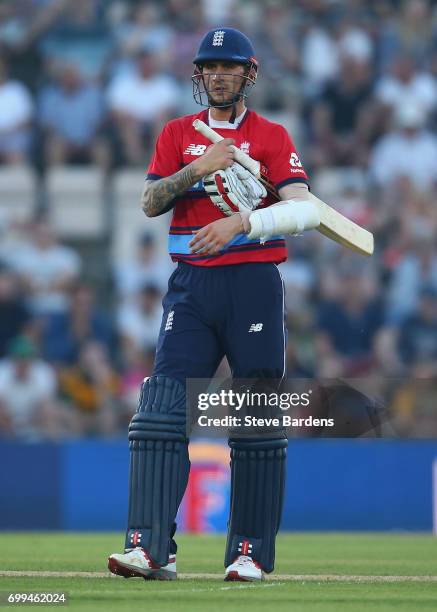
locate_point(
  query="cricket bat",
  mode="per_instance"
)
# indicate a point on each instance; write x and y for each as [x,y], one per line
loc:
[333,224]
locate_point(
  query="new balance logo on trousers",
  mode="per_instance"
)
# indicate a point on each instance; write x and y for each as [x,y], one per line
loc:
[255,327]
[169,322]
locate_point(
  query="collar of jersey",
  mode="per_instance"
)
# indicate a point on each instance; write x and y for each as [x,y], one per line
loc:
[225,125]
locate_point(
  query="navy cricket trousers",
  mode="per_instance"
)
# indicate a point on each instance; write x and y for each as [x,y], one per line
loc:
[235,310]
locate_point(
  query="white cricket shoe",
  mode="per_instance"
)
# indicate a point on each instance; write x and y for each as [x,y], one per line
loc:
[244,569]
[137,564]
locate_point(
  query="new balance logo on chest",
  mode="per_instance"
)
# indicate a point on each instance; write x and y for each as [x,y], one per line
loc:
[195,149]
[255,327]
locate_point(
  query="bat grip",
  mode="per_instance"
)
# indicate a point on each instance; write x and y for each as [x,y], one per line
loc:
[242,158]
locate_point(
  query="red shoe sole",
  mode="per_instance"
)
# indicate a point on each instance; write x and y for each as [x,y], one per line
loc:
[235,577]
[117,568]
[120,570]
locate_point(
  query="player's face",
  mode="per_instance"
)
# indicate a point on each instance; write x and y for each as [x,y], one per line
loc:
[222,81]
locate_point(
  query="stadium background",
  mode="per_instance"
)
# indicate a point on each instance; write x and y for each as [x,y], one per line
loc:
[85,86]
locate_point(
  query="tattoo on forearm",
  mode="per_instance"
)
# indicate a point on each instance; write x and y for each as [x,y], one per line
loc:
[158,194]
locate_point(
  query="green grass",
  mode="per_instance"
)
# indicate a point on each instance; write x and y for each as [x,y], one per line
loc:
[311,554]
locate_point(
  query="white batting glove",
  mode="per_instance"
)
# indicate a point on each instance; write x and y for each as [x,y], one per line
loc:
[254,189]
[234,189]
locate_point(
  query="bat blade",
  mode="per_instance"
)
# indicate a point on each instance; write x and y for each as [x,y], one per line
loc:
[337,227]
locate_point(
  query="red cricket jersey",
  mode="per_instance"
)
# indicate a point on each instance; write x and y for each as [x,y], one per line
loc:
[179,144]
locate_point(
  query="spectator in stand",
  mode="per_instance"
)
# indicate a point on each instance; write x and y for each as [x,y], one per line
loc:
[276,40]
[348,322]
[23,25]
[342,117]
[411,30]
[15,318]
[28,385]
[139,322]
[418,337]
[90,390]
[140,102]
[276,37]
[300,351]
[65,333]
[188,22]
[319,59]
[416,268]
[142,26]
[405,86]
[48,270]
[71,113]
[80,34]
[413,402]
[409,150]
[354,41]
[148,266]
[16,110]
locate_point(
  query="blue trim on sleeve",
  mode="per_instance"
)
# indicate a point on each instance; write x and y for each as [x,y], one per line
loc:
[290,180]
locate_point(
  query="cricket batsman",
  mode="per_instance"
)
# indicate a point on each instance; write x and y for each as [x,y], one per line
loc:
[225,298]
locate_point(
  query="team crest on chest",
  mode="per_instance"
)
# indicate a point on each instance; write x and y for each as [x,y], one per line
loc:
[245,146]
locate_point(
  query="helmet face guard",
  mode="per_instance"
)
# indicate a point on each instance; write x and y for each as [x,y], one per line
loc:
[241,86]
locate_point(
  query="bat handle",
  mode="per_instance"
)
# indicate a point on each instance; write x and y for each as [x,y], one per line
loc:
[242,158]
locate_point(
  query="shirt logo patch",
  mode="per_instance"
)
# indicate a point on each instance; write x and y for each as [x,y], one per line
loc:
[255,327]
[217,40]
[245,547]
[295,161]
[195,149]
[245,146]
[135,538]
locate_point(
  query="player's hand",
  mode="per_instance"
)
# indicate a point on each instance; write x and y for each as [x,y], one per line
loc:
[217,157]
[213,237]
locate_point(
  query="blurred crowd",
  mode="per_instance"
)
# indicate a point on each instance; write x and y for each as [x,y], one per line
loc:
[92,82]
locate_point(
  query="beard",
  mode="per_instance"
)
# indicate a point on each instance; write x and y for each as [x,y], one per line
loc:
[222,94]
[223,99]
[227,94]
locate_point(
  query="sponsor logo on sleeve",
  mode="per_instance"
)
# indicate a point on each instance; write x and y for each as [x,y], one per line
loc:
[296,164]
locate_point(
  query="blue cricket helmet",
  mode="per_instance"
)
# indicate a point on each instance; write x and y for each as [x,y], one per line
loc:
[226,44]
